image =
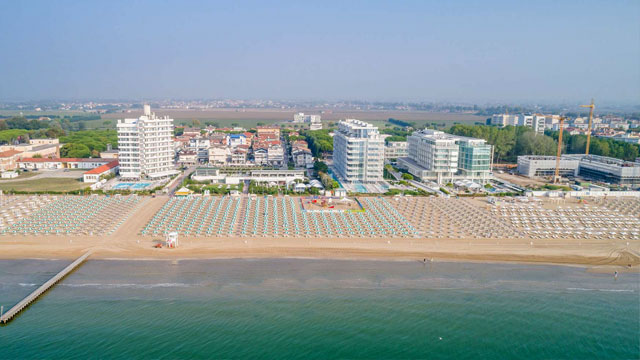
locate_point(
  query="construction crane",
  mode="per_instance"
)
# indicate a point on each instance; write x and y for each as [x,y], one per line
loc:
[591,106]
[556,178]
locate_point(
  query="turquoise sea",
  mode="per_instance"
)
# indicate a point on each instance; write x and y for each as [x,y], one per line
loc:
[319,309]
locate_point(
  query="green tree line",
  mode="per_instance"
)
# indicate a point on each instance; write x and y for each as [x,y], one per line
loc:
[88,143]
[319,141]
[509,141]
[401,122]
[576,144]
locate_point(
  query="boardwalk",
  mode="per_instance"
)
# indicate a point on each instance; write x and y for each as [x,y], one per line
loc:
[6,317]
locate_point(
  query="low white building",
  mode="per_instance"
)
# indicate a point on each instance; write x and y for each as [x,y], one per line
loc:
[93,175]
[591,167]
[61,163]
[545,166]
[276,176]
[9,174]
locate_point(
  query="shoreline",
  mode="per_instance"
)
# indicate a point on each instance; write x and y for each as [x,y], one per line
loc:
[592,260]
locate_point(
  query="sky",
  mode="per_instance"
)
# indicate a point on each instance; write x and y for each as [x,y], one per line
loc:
[459,51]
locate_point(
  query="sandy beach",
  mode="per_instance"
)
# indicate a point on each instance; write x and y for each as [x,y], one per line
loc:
[127,242]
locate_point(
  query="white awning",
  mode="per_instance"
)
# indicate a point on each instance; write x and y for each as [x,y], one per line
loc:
[163,174]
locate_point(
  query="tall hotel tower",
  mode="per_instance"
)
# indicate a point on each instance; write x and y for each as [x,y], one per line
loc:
[145,147]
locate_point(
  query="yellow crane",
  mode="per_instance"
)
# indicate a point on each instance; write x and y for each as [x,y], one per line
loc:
[591,106]
[556,178]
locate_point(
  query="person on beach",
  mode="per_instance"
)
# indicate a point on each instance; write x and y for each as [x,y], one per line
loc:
[615,275]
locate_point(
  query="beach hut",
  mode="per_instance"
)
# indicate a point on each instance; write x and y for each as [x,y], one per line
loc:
[340,192]
[184,192]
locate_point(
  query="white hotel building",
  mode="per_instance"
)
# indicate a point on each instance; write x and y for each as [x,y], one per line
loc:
[145,148]
[440,157]
[358,152]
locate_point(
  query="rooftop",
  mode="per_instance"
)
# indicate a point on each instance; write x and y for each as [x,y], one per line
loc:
[102,168]
[65,160]
[9,153]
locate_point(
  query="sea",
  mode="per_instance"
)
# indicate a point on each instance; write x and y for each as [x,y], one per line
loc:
[319,309]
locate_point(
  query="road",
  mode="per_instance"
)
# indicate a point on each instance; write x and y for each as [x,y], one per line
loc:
[181,178]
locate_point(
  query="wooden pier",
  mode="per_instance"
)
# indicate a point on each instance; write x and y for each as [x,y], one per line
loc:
[6,317]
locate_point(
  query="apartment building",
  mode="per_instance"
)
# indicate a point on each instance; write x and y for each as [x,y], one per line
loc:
[474,159]
[268,131]
[358,152]
[537,122]
[314,121]
[304,118]
[432,155]
[395,149]
[503,120]
[145,146]
[440,157]
[219,155]
[275,155]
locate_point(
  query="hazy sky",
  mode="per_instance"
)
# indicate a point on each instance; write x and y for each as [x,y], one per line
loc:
[469,51]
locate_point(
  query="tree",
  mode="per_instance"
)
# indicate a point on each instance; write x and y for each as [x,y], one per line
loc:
[54,132]
[320,166]
[407,176]
[93,140]
[75,151]
[9,136]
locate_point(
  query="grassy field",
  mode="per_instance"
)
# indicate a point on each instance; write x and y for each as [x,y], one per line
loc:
[45,184]
[41,113]
[251,117]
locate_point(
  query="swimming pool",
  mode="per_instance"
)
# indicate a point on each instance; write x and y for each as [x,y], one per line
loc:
[122,186]
[139,186]
[132,186]
[360,188]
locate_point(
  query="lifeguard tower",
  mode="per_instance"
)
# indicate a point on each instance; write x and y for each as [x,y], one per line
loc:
[172,240]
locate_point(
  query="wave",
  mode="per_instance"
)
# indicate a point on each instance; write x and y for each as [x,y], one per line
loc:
[135,286]
[605,290]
